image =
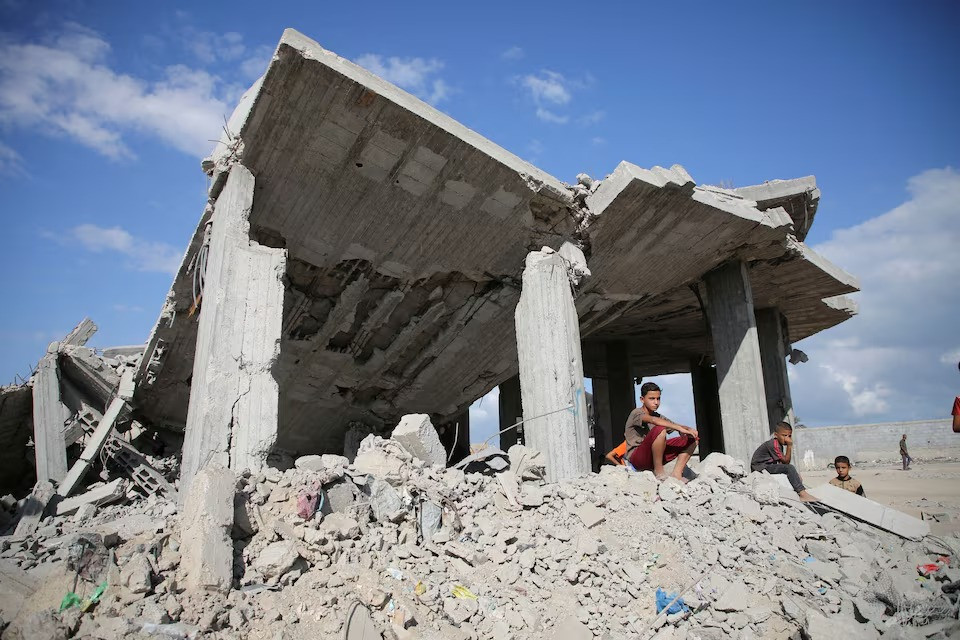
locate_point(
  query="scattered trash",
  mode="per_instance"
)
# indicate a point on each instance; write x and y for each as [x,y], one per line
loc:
[460,591]
[664,599]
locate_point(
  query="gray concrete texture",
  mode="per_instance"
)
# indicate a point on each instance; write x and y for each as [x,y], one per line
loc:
[816,447]
[405,236]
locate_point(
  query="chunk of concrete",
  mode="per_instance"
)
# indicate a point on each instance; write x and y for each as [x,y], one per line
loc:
[590,515]
[206,523]
[105,494]
[871,512]
[276,558]
[385,502]
[418,436]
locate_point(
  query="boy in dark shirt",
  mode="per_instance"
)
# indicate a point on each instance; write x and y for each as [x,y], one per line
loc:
[773,456]
[648,448]
[843,479]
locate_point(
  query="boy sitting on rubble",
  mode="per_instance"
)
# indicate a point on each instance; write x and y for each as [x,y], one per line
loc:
[773,456]
[648,447]
[843,479]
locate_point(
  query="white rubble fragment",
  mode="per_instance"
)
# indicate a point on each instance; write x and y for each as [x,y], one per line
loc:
[276,559]
[418,436]
[206,524]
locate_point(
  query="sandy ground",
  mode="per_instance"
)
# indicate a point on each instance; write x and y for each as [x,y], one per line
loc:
[927,487]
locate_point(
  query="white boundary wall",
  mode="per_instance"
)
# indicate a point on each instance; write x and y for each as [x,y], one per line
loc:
[816,447]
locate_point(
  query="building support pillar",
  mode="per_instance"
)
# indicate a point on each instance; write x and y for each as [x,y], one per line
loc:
[49,414]
[743,405]
[623,395]
[706,402]
[234,396]
[774,349]
[551,368]
[511,412]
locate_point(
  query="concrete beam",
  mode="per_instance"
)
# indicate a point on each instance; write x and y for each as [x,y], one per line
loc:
[774,348]
[49,415]
[232,414]
[91,375]
[81,333]
[743,405]
[551,368]
[511,412]
[92,449]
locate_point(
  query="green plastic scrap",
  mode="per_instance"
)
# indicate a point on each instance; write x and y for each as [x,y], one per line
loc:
[73,600]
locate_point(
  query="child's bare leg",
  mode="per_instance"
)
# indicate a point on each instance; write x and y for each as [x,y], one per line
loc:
[658,448]
[805,497]
[682,460]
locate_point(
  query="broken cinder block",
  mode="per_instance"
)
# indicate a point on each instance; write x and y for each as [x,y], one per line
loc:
[419,437]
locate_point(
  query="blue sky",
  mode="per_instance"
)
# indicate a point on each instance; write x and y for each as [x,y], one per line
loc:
[107,108]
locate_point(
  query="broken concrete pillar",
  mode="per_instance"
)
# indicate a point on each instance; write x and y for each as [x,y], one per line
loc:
[49,415]
[81,333]
[551,367]
[706,404]
[774,349]
[419,437]
[206,522]
[91,450]
[743,404]
[511,412]
[623,395]
[232,413]
[89,372]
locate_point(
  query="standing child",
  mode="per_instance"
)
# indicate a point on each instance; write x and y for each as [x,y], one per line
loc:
[773,456]
[843,479]
[648,448]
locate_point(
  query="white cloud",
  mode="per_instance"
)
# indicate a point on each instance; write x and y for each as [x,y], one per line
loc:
[256,65]
[127,308]
[598,141]
[416,75]
[548,87]
[513,53]
[593,117]
[11,163]
[140,254]
[63,86]
[894,361]
[549,116]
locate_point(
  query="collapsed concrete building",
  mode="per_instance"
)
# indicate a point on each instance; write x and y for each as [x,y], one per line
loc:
[362,254]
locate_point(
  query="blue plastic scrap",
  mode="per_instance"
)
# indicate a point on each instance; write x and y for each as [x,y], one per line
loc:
[663,599]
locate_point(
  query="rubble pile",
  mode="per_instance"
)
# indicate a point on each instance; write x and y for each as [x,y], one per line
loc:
[416,550]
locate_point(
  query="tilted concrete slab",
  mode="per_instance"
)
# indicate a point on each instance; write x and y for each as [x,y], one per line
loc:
[406,235]
[799,197]
[871,512]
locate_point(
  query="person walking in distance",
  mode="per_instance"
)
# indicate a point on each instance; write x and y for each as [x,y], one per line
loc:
[904,454]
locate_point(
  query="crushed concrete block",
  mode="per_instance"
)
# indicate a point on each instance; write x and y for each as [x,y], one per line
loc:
[206,522]
[384,500]
[590,515]
[136,574]
[764,488]
[338,497]
[106,494]
[721,464]
[319,463]
[276,559]
[419,437]
[340,526]
[734,598]
[745,506]
[569,628]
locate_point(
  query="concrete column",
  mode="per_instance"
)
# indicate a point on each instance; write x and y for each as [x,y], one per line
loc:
[48,418]
[774,349]
[606,435]
[232,414]
[623,395]
[743,405]
[551,368]
[462,449]
[706,402]
[511,411]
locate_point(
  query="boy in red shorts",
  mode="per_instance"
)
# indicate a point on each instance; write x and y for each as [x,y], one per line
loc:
[648,448]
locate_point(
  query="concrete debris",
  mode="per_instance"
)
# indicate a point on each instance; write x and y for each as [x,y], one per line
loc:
[104,494]
[435,553]
[418,436]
